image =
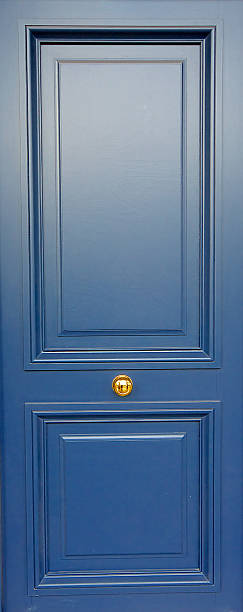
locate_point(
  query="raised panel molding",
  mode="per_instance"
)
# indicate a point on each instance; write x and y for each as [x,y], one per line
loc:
[68,443]
[72,330]
[194,342]
[133,452]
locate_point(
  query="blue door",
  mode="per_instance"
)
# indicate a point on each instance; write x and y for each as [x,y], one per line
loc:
[121,223]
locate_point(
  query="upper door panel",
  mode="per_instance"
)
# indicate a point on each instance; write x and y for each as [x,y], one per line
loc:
[121,237]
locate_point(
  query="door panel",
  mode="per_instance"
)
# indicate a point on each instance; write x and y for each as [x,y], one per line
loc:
[115,511]
[126,109]
[122,229]
[130,128]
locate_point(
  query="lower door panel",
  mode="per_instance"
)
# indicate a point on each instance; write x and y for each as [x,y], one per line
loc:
[125,497]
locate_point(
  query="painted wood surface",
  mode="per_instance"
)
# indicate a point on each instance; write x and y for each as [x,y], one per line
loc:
[121,252]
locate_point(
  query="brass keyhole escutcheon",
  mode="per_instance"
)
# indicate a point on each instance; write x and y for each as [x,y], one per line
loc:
[122,385]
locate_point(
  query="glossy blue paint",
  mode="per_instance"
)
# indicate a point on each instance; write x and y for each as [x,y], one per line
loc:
[100,483]
[163,144]
[130,504]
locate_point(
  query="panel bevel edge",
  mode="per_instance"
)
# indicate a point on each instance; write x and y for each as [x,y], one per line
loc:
[38,357]
[44,582]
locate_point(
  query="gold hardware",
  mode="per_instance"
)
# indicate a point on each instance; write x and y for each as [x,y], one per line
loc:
[122,385]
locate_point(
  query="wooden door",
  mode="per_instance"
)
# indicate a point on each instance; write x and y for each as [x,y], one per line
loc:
[127,266]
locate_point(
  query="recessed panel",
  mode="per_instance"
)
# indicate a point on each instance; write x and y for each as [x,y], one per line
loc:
[121,184]
[120,504]
[121,497]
